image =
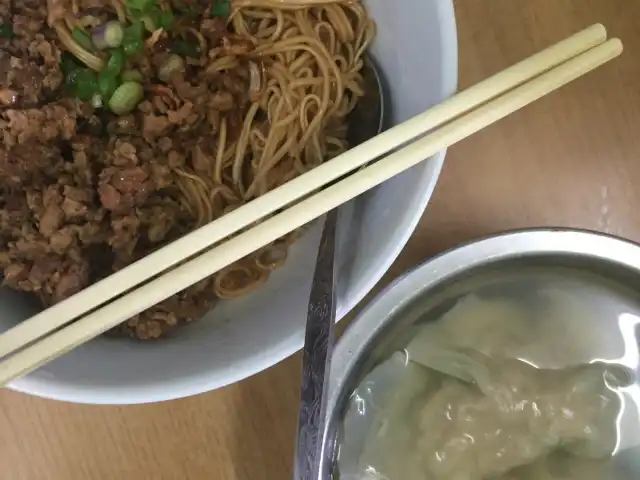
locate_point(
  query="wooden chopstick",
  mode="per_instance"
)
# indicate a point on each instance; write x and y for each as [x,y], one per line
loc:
[312,207]
[101,292]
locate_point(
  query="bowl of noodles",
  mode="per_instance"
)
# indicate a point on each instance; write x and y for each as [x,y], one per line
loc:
[127,124]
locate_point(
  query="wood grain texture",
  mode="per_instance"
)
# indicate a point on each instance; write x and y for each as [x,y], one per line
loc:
[568,160]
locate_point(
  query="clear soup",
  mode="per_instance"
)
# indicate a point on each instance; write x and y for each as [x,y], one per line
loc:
[523,374]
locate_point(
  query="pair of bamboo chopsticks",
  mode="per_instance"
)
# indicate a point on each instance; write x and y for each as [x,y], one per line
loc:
[41,339]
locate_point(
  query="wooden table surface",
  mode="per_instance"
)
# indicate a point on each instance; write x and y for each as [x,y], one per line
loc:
[571,159]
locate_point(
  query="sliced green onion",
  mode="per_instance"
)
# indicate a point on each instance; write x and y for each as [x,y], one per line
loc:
[185,49]
[107,84]
[70,81]
[165,19]
[134,14]
[68,63]
[6,30]
[109,35]
[126,98]
[83,39]
[148,23]
[173,64]
[132,47]
[156,18]
[137,29]
[140,5]
[70,69]
[132,76]
[115,63]
[133,38]
[85,84]
[220,8]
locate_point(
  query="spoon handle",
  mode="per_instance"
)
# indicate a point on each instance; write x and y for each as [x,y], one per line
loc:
[316,355]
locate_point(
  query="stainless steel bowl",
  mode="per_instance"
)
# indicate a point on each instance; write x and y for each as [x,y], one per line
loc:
[451,274]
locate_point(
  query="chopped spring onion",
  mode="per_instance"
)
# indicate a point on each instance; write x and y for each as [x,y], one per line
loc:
[68,63]
[132,47]
[109,35]
[115,63]
[80,81]
[155,18]
[185,48]
[132,76]
[83,39]
[173,64]
[165,19]
[83,83]
[6,30]
[133,38]
[220,8]
[161,18]
[148,23]
[139,6]
[70,81]
[107,83]
[126,97]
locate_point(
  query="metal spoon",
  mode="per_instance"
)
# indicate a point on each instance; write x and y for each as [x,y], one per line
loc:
[364,122]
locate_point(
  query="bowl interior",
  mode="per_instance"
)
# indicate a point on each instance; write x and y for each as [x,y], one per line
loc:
[570,313]
[416,51]
[579,288]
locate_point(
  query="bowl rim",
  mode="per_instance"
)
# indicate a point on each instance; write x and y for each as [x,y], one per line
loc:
[50,389]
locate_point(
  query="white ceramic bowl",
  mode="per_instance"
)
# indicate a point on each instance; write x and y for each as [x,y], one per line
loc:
[416,50]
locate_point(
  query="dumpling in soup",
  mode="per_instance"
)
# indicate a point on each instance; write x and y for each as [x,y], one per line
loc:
[520,414]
